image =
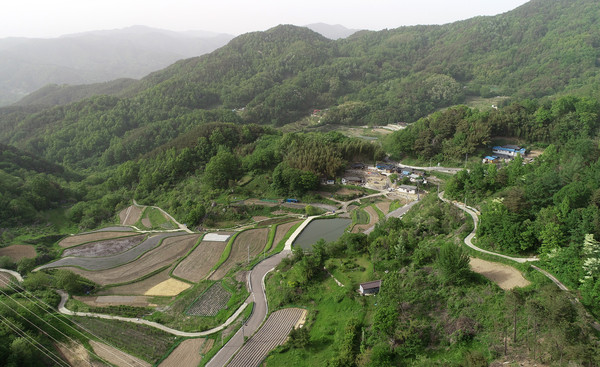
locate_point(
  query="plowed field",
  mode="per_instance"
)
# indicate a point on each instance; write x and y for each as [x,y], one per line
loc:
[129,216]
[104,248]
[254,239]
[373,219]
[197,265]
[282,229]
[138,288]
[103,301]
[384,206]
[18,252]
[274,332]
[186,354]
[116,356]
[168,252]
[89,237]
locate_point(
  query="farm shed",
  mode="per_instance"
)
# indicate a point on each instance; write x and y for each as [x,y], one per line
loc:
[370,287]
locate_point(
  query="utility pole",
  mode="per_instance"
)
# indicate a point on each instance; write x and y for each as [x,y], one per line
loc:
[466,157]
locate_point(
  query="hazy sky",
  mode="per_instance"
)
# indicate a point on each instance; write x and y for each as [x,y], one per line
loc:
[51,18]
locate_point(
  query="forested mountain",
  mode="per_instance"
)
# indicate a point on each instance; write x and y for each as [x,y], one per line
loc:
[281,75]
[27,64]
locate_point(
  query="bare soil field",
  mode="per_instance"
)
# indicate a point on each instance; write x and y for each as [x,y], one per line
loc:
[116,356]
[505,276]
[129,216]
[169,251]
[146,223]
[197,265]
[258,218]
[282,229]
[103,301]
[138,288]
[90,237]
[346,191]
[254,239]
[5,280]
[77,355]
[104,248]
[373,219]
[169,288]
[274,332]
[18,252]
[186,354]
[384,206]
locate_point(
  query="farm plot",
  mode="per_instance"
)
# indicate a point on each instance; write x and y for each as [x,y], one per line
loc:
[505,276]
[76,355]
[108,262]
[273,333]
[210,302]
[104,248]
[252,241]
[18,252]
[104,301]
[153,218]
[384,206]
[130,215]
[282,229]
[91,236]
[186,354]
[116,356]
[138,288]
[5,280]
[198,264]
[169,251]
[168,288]
[373,219]
[137,340]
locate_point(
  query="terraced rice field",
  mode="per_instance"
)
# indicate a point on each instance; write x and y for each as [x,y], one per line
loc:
[104,301]
[384,206]
[373,219]
[116,356]
[274,332]
[167,253]
[108,262]
[282,229]
[104,248]
[92,236]
[186,354]
[198,264]
[18,252]
[168,288]
[138,288]
[253,239]
[129,216]
[210,302]
[5,280]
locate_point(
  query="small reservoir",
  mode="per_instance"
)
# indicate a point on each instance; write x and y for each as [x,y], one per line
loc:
[327,229]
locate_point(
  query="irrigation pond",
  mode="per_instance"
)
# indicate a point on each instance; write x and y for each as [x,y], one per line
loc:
[327,229]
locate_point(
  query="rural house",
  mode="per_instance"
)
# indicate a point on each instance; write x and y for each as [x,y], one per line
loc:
[370,287]
[509,150]
[407,189]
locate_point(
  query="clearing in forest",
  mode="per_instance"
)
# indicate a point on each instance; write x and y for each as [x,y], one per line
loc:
[18,252]
[168,288]
[90,237]
[116,356]
[250,242]
[186,354]
[198,264]
[171,249]
[104,248]
[505,276]
[282,229]
[130,215]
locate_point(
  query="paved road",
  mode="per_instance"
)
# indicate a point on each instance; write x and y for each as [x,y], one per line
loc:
[259,313]
[468,240]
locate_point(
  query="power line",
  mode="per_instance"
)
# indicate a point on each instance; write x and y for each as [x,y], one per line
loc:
[29,339]
[71,327]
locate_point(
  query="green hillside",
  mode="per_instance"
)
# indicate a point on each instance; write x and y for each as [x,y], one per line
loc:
[282,75]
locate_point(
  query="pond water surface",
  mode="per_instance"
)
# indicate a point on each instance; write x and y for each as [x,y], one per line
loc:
[327,229]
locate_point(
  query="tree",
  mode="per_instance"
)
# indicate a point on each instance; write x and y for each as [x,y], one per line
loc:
[221,168]
[453,263]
